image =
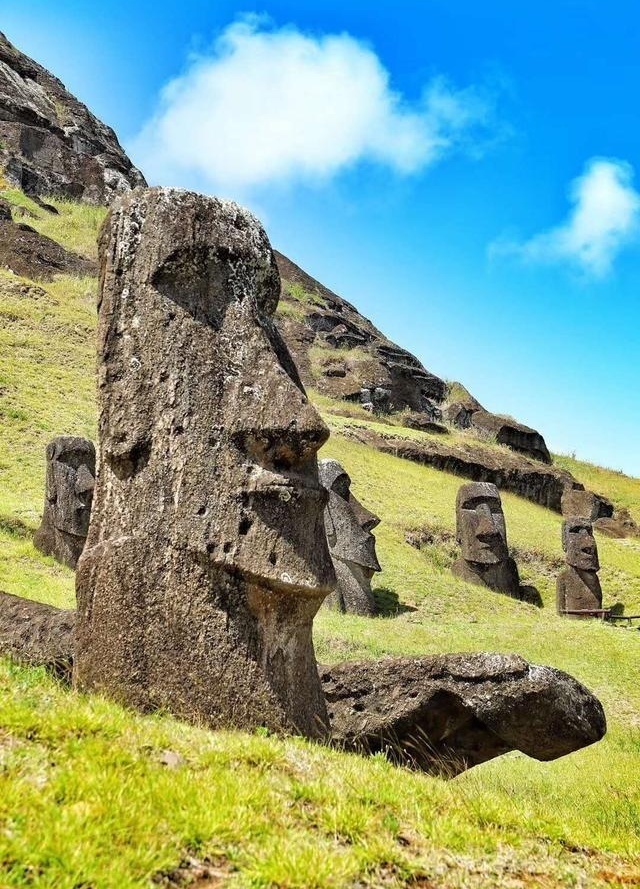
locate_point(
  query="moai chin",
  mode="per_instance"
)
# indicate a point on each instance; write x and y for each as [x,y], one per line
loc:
[482,535]
[69,483]
[352,545]
[206,559]
[578,586]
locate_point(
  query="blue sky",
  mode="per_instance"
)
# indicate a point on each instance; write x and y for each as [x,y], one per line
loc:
[462,172]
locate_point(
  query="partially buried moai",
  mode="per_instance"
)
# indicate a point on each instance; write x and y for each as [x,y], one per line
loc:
[578,586]
[482,535]
[206,559]
[69,483]
[353,547]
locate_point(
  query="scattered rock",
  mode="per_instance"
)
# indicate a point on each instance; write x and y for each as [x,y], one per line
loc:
[206,559]
[620,524]
[422,423]
[70,479]
[352,545]
[51,143]
[514,435]
[578,502]
[446,713]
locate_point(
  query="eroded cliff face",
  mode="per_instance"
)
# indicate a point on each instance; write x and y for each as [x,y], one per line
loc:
[50,143]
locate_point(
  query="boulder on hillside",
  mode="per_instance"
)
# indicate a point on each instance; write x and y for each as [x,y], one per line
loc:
[27,253]
[447,713]
[512,434]
[51,143]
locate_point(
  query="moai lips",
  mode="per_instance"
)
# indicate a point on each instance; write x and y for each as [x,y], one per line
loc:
[482,535]
[70,480]
[206,559]
[353,547]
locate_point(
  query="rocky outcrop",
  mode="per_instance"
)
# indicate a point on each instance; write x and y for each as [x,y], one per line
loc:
[51,144]
[31,255]
[509,472]
[514,435]
[342,354]
[206,559]
[447,713]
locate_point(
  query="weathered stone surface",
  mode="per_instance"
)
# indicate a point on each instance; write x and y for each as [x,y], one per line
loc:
[578,587]
[578,502]
[37,634]
[424,424]
[512,434]
[620,524]
[32,255]
[447,713]
[206,559]
[51,143]
[358,356]
[352,545]
[482,534]
[69,484]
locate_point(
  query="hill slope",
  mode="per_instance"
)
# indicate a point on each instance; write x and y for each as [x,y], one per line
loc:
[91,794]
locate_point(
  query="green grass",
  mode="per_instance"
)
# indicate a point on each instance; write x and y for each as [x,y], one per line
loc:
[85,799]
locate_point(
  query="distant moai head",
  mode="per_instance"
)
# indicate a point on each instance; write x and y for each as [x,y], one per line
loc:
[480,524]
[349,525]
[207,559]
[69,484]
[70,480]
[579,544]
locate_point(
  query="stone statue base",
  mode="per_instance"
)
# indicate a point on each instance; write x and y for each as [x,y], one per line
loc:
[352,594]
[502,577]
[578,590]
[65,548]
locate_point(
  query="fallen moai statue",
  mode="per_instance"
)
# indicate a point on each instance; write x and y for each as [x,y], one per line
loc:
[441,714]
[206,559]
[70,480]
[578,590]
[352,545]
[447,713]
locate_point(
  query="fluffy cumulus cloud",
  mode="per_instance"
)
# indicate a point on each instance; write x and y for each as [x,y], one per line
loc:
[603,219]
[275,105]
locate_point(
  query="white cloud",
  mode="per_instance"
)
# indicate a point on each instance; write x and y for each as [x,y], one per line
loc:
[275,105]
[604,219]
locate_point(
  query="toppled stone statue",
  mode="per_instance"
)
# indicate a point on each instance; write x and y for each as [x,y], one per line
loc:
[578,586]
[352,545]
[482,535]
[441,714]
[206,559]
[70,480]
[447,713]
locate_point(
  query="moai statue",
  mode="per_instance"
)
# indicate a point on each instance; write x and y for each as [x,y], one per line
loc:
[70,479]
[353,547]
[482,534]
[206,560]
[578,587]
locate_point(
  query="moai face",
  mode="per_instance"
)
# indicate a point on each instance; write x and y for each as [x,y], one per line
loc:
[481,528]
[69,484]
[348,523]
[207,544]
[579,544]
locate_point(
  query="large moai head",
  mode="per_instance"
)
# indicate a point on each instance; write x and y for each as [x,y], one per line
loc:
[482,534]
[579,544]
[69,484]
[578,586]
[353,547]
[480,524]
[206,560]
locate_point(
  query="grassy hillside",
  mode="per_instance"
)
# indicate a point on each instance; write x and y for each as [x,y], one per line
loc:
[92,795]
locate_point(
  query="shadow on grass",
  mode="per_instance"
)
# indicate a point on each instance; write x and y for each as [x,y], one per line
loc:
[388,604]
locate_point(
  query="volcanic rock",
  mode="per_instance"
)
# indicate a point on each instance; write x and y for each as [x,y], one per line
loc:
[51,143]
[446,713]
[37,634]
[206,559]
